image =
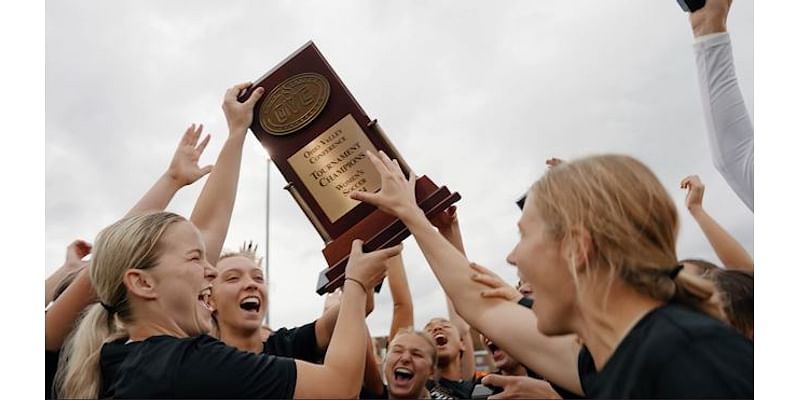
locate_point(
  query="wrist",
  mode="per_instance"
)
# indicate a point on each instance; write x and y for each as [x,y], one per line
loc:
[237,130]
[171,180]
[411,215]
[696,209]
[356,281]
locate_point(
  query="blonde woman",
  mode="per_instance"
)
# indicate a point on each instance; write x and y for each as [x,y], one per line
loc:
[147,336]
[239,300]
[597,245]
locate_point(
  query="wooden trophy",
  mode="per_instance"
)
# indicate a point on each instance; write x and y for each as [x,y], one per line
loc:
[317,135]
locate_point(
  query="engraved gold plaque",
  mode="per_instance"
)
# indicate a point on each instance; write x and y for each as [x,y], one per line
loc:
[294,103]
[335,164]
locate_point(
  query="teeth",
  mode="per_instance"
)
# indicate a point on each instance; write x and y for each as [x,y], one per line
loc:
[403,371]
[440,339]
[251,300]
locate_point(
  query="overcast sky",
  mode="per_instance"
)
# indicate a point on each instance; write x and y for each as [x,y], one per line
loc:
[473,95]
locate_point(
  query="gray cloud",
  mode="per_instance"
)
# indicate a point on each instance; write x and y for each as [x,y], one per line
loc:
[474,95]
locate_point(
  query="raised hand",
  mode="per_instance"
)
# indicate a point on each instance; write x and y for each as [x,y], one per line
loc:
[76,251]
[183,168]
[240,115]
[445,219]
[396,196]
[369,269]
[520,387]
[496,286]
[694,195]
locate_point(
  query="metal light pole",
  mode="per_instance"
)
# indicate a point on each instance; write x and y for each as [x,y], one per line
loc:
[267,245]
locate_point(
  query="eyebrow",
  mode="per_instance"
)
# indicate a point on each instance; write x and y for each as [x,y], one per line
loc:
[196,250]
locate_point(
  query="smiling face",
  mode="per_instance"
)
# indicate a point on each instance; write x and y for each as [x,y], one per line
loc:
[542,265]
[409,365]
[447,339]
[239,295]
[182,279]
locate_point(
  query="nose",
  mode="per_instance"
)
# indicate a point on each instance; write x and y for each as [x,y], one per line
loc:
[511,258]
[250,283]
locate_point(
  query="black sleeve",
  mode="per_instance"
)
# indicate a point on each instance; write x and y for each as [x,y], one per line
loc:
[298,343]
[712,368]
[586,370]
[366,394]
[211,369]
[50,369]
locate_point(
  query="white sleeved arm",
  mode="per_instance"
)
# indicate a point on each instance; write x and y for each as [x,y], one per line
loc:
[730,129]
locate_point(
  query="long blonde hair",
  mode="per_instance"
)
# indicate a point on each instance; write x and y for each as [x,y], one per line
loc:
[128,243]
[633,225]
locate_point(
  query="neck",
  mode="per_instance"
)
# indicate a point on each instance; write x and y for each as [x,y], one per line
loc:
[144,329]
[452,370]
[603,328]
[518,370]
[249,340]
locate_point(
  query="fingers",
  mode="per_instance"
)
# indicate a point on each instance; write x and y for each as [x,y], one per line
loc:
[206,170]
[232,93]
[500,292]
[387,162]
[251,101]
[479,268]
[388,252]
[487,280]
[187,135]
[370,198]
[495,380]
[202,146]
[378,164]
[355,247]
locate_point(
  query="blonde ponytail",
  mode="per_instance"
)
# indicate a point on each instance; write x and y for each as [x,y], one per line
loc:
[633,225]
[130,243]
[78,374]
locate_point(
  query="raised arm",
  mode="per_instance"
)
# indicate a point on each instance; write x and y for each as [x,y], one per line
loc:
[730,252]
[403,310]
[183,170]
[730,128]
[76,251]
[509,325]
[342,374]
[447,223]
[213,210]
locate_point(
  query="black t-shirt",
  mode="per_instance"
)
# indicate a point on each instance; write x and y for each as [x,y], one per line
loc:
[299,343]
[446,389]
[673,352]
[50,368]
[366,394]
[195,367]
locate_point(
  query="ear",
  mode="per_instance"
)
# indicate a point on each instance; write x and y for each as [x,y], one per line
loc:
[140,283]
[577,246]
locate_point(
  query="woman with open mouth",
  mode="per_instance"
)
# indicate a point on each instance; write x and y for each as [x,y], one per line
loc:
[240,303]
[598,247]
[148,337]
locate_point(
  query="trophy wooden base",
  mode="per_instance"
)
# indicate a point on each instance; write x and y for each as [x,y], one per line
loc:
[379,231]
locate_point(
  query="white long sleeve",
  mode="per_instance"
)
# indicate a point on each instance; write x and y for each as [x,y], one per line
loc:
[730,129]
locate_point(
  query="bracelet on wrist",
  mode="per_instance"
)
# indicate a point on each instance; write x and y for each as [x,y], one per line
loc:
[363,286]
